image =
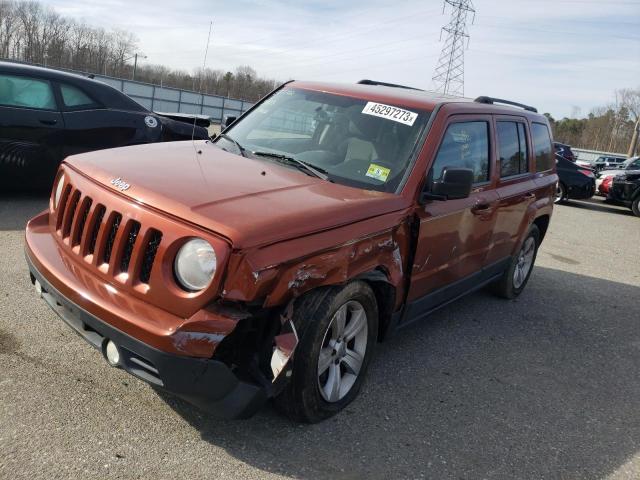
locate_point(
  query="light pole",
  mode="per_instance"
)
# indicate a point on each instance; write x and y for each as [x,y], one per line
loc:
[135,63]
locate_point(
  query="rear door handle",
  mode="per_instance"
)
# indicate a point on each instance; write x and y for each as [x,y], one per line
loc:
[48,122]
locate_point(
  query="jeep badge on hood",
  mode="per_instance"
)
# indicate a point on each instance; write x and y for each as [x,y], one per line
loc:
[120,184]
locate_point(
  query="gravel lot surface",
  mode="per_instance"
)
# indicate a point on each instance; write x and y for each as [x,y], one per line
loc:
[545,386]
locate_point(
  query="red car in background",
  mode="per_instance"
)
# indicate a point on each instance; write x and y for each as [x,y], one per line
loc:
[605,185]
[604,178]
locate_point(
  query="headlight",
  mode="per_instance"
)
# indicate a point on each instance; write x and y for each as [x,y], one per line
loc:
[58,193]
[195,264]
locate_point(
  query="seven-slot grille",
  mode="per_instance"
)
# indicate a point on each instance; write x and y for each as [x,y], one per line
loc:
[106,238]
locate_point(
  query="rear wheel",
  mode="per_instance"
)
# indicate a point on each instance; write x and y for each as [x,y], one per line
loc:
[635,206]
[337,332]
[515,278]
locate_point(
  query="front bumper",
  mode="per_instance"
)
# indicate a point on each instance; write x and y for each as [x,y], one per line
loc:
[205,383]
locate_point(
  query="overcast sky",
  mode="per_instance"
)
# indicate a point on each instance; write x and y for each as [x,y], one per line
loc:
[563,56]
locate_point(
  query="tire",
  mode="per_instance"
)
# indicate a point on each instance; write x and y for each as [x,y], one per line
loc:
[509,286]
[561,193]
[304,399]
[635,206]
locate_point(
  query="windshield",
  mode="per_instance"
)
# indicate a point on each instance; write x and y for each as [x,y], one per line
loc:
[352,141]
[632,163]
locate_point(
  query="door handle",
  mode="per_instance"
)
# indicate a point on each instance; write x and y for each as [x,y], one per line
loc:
[529,196]
[48,122]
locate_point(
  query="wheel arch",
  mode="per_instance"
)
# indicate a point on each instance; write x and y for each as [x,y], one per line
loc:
[542,222]
[385,293]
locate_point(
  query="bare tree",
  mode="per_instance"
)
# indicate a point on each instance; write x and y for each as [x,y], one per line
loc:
[36,33]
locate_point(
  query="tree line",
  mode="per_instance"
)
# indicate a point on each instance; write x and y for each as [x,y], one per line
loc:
[36,33]
[609,128]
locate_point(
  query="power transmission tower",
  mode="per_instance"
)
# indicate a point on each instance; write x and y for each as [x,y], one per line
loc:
[448,77]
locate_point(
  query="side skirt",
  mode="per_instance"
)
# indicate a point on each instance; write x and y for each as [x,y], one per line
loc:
[424,306]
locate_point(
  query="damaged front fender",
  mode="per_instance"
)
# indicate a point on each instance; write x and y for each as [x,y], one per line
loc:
[270,277]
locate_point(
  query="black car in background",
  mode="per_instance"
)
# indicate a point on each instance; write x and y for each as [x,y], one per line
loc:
[564,151]
[47,115]
[625,190]
[574,181]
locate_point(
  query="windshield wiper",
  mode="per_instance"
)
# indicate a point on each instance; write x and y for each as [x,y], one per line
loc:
[240,148]
[318,172]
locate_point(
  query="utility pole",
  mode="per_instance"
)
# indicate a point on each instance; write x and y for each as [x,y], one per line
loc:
[135,64]
[448,77]
[634,140]
[135,67]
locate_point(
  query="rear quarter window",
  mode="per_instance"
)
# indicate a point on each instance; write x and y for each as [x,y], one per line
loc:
[542,148]
[73,97]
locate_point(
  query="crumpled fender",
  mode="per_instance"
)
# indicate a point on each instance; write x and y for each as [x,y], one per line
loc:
[276,274]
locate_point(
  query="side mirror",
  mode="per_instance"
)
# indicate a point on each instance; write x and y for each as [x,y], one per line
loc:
[455,183]
[229,120]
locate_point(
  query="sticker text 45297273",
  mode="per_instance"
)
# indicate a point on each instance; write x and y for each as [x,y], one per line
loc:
[390,113]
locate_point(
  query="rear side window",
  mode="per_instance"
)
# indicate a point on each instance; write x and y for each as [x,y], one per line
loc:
[465,145]
[512,148]
[542,147]
[74,97]
[26,92]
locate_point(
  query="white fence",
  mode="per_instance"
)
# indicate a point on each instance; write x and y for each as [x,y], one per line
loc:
[173,100]
[592,155]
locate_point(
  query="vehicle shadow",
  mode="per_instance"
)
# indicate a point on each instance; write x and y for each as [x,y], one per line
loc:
[544,386]
[599,205]
[17,209]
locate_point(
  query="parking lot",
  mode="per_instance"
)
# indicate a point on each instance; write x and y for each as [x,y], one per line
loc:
[545,386]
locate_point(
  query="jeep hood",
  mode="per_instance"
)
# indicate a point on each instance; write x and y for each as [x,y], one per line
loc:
[252,202]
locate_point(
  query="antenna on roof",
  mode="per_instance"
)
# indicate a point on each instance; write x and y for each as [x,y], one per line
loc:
[204,64]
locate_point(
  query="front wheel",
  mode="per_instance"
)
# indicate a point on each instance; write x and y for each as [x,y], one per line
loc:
[337,330]
[515,278]
[561,193]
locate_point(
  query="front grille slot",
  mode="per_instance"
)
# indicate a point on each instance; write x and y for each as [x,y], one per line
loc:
[62,205]
[99,215]
[69,213]
[111,239]
[149,255]
[111,236]
[83,214]
[134,230]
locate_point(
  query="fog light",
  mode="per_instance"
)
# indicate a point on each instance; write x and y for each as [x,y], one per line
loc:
[38,288]
[112,353]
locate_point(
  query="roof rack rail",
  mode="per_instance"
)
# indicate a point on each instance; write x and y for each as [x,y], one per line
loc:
[384,84]
[491,100]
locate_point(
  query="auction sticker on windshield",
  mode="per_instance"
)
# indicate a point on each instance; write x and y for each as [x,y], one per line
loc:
[390,113]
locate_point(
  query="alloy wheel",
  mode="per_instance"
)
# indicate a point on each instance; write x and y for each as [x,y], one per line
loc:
[559,195]
[524,262]
[343,350]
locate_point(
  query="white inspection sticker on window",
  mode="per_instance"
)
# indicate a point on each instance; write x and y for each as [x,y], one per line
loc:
[390,113]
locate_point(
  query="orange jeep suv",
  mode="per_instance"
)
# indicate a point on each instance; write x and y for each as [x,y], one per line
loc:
[267,262]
